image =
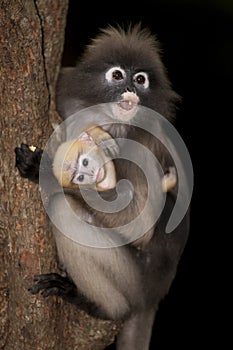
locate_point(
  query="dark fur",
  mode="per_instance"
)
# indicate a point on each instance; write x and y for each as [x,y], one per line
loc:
[134,50]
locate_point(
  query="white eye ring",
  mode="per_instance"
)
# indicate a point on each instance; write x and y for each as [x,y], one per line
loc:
[115,74]
[142,79]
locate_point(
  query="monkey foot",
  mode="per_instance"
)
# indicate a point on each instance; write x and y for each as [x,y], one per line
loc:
[53,284]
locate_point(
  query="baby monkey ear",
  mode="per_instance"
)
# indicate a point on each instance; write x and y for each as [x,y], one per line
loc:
[85,137]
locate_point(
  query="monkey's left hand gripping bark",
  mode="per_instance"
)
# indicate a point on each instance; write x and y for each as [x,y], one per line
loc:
[28,160]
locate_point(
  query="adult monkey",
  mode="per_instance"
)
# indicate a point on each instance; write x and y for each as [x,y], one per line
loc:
[126,281]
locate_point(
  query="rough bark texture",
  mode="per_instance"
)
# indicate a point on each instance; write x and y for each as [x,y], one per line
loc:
[31,43]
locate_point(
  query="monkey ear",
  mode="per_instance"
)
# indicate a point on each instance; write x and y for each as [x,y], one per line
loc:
[85,137]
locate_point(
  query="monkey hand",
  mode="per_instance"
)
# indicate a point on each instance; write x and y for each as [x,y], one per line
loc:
[110,148]
[28,161]
[104,141]
[169,180]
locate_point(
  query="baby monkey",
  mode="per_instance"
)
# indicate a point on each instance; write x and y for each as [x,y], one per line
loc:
[87,162]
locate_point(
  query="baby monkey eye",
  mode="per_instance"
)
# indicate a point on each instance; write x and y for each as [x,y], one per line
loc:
[85,162]
[80,178]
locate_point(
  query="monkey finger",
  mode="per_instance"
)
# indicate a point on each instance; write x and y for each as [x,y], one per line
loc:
[110,148]
[28,161]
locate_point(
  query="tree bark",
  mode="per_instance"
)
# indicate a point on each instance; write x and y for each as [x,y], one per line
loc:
[31,44]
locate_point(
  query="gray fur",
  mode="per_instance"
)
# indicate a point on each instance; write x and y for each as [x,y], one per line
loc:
[127,282]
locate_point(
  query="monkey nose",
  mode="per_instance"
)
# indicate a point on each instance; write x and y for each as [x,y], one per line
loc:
[130,89]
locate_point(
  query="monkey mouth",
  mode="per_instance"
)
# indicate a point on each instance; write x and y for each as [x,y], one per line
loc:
[100,175]
[126,105]
[129,101]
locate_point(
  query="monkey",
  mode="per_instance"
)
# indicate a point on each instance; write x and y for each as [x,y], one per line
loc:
[82,162]
[123,69]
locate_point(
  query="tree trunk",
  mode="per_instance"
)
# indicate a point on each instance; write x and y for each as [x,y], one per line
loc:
[31,43]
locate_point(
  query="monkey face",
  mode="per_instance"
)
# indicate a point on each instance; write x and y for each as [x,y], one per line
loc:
[89,170]
[118,83]
[119,79]
[78,164]
[122,67]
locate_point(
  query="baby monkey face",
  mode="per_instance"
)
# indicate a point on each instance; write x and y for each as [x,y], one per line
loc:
[89,169]
[87,161]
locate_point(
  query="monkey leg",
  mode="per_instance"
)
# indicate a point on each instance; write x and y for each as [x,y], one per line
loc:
[53,284]
[136,331]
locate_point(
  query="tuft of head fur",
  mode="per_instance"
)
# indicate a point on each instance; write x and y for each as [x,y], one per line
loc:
[134,47]
[134,37]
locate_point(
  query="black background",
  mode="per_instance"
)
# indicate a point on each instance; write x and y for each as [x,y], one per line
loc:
[196,38]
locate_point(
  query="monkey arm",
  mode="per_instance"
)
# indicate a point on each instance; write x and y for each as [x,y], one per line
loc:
[99,136]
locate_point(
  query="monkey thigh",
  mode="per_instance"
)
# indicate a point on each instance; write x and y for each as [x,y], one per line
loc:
[109,277]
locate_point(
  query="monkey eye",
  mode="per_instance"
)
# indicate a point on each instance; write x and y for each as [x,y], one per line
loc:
[142,79]
[80,178]
[115,74]
[85,162]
